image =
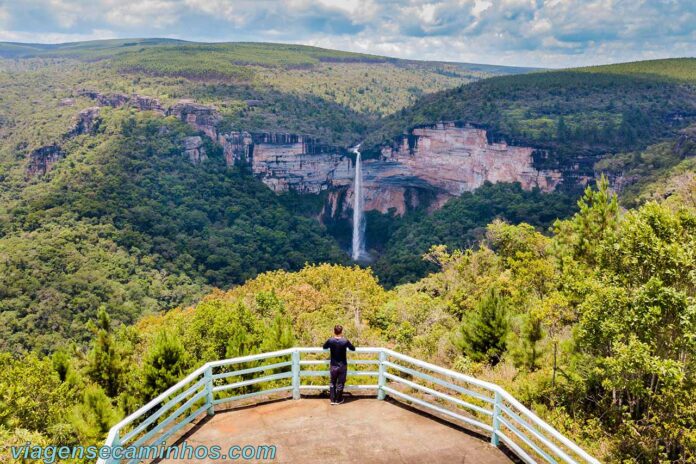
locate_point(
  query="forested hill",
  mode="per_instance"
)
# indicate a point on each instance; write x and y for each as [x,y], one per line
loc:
[574,116]
[131,225]
[115,245]
[124,221]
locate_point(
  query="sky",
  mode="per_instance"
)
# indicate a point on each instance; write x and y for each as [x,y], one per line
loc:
[544,33]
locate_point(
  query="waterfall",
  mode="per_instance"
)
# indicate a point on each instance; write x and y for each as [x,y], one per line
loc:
[358,250]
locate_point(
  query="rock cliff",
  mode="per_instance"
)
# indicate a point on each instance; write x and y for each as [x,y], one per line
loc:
[117,100]
[430,164]
[289,161]
[201,117]
[426,166]
[446,160]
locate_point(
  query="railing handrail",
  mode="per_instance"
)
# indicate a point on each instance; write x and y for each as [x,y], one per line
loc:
[511,417]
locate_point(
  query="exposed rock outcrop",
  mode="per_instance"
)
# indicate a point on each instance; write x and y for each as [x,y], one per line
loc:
[288,161]
[194,148]
[428,165]
[87,122]
[117,100]
[42,159]
[202,117]
[459,159]
[434,163]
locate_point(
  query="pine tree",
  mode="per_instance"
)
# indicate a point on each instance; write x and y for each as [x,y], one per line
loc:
[598,216]
[61,364]
[105,366]
[485,330]
[93,418]
[164,364]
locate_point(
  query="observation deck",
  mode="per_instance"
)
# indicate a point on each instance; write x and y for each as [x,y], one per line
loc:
[398,410]
[362,430]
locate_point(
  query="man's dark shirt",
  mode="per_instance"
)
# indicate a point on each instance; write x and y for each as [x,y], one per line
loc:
[338,347]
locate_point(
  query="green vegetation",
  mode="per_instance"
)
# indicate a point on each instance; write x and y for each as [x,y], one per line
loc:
[655,172]
[680,69]
[592,327]
[573,117]
[589,320]
[130,223]
[399,242]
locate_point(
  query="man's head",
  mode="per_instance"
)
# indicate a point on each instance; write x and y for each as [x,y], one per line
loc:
[338,330]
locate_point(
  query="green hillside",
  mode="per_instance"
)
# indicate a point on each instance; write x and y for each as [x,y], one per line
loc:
[304,70]
[126,265]
[574,116]
[678,69]
[128,223]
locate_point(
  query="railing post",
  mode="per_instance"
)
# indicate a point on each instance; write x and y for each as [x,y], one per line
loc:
[495,439]
[114,443]
[209,390]
[381,380]
[296,374]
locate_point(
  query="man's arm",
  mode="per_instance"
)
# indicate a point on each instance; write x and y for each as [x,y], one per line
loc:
[326,344]
[350,346]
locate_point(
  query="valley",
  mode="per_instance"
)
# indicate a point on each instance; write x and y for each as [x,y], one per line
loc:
[164,203]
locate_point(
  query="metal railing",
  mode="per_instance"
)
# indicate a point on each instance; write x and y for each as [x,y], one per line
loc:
[464,399]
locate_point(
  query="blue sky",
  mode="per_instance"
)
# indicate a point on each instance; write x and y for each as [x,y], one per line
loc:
[550,33]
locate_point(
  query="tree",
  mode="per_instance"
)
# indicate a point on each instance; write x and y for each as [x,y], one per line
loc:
[484,331]
[524,348]
[93,418]
[105,366]
[636,336]
[597,218]
[61,364]
[562,131]
[164,364]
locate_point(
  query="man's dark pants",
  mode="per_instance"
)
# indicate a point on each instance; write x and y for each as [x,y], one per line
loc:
[338,380]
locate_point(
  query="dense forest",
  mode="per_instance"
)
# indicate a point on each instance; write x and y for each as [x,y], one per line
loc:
[573,116]
[126,266]
[594,327]
[132,225]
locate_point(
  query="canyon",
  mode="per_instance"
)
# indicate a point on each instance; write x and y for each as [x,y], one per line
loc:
[426,166]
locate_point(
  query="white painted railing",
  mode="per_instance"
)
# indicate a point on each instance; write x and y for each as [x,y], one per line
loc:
[464,399]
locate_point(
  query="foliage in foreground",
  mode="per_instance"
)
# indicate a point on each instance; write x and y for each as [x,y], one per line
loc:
[594,328]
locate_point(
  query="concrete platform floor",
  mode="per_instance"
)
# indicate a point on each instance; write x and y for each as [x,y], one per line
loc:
[362,430]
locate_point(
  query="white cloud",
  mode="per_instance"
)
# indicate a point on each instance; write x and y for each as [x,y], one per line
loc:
[130,13]
[522,32]
[52,37]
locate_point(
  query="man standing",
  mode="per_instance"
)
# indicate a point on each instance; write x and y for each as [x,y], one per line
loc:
[339,364]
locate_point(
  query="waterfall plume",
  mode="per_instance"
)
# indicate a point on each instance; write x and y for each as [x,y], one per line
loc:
[358,250]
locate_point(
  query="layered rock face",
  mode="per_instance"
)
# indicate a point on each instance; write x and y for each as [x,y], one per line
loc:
[458,159]
[434,163]
[288,161]
[194,148]
[428,165]
[431,164]
[201,117]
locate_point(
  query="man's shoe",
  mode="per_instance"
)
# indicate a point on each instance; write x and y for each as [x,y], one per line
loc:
[341,402]
[333,403]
